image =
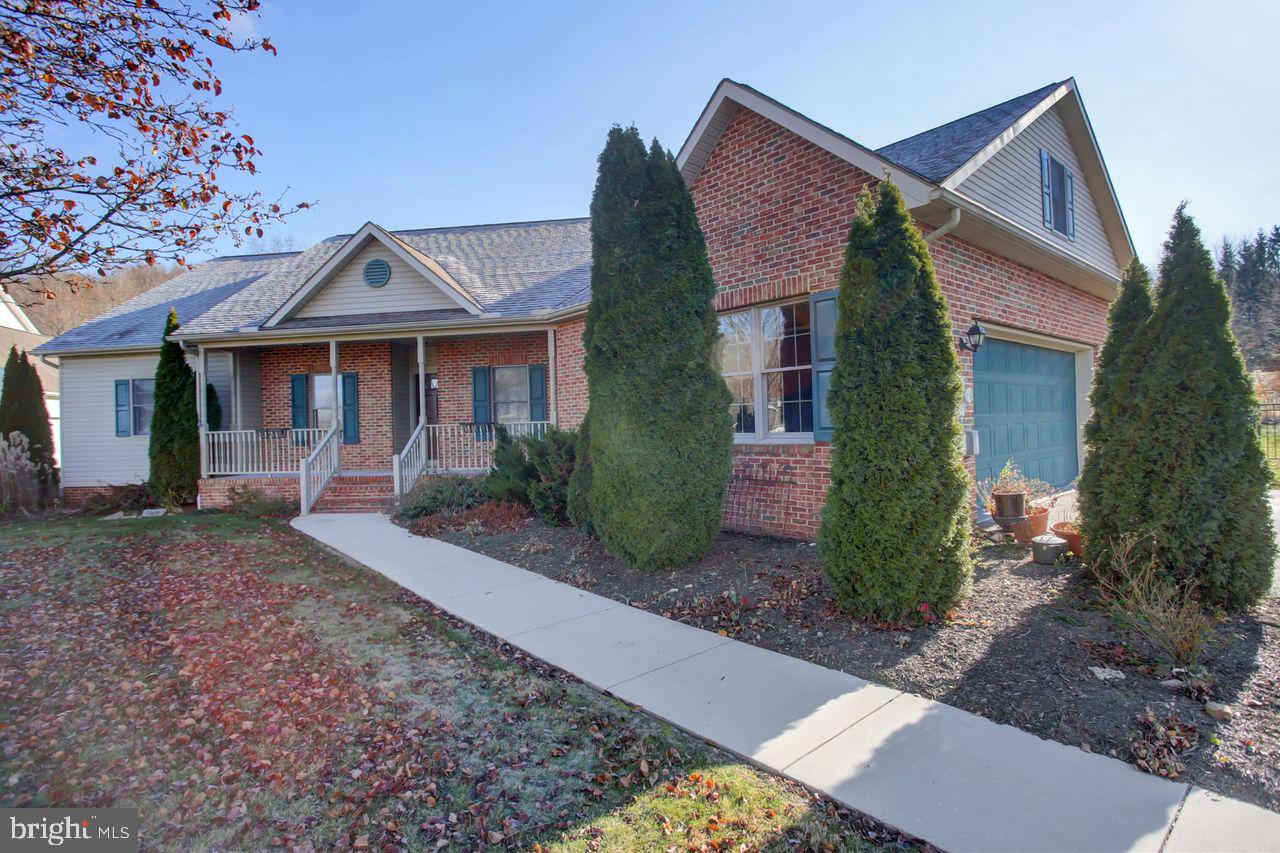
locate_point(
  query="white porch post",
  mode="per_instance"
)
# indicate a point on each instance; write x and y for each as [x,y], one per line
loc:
[422,379]
[202,420]
[551,375]
[337,390]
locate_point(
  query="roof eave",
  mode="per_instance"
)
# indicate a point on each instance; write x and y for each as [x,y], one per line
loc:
[729,96]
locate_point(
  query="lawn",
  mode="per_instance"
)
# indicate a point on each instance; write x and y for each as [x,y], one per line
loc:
[245,689]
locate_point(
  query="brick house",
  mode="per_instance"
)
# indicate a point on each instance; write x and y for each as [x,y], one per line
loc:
[424,339]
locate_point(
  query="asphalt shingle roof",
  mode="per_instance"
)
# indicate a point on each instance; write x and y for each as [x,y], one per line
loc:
[937,153]
[139,322]
[511,269]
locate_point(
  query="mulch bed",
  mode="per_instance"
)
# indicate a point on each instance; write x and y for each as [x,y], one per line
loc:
[1018,652]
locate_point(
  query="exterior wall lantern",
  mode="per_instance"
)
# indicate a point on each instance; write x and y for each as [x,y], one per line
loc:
[971,341]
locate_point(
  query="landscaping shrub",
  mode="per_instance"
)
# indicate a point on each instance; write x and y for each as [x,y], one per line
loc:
[129,497]
[245,500]
[512,472]
[440,495]
[578,494]
[174,448]
[894,535]
[1199,466]
[552,457]
[1166,614]
[22,410]
[661,437]
[212,408]
[488,518]
[22,479]
[1111,480]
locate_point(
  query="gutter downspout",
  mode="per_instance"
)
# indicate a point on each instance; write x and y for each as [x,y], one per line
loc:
[952,221]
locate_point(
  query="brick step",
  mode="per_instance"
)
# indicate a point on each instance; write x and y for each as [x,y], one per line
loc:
[345,504]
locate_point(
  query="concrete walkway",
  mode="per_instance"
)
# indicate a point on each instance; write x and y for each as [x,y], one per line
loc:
[955,779]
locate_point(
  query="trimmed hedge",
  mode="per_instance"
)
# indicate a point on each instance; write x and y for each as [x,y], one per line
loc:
[895,530]
[660,436]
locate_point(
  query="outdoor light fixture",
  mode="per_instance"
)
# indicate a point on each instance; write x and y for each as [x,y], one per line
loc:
[971,341]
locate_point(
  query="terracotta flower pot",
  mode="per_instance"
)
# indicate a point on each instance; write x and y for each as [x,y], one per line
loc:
[1070,531]
[1037,523]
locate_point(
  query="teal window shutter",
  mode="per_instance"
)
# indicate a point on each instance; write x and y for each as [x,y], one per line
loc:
[299,412]
[822,314]
[123,420]
[1071,206]
[538,392]
[350,408]
[480,408]
[1046,189]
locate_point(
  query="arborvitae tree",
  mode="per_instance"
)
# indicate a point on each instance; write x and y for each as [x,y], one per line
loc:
[895,529]
[1203,469]
[661,437]
[174,449]
[1112,481]
[22,407]
[578,503]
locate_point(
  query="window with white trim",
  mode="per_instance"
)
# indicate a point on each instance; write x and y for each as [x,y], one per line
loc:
[766,359]
[511,394]
[143,398]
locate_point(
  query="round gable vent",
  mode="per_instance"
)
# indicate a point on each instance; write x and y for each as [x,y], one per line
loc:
[377,272]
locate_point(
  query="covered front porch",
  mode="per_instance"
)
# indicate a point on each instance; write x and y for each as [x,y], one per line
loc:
[369,416]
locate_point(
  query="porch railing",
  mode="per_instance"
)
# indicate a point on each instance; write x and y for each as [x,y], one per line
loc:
[259,451]
[452,448]
[318,469]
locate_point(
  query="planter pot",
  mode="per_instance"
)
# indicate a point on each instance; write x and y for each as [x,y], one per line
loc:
[1037,524]
[1072,537]
[1010,506]
[1046,549]
[1009,525]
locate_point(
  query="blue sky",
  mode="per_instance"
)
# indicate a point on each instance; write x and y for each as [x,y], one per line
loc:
[424,114]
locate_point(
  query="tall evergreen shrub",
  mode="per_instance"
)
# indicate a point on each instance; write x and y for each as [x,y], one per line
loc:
[1202,468]
[1111,481]
[22,407]
[174,448]
[894,533]
[661,438]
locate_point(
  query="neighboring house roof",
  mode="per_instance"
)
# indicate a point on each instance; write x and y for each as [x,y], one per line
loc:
[138,324]
[28,341]
[13,317]
[938,153]
[512,269]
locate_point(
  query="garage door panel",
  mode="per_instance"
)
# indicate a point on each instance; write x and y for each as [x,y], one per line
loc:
[1024,409]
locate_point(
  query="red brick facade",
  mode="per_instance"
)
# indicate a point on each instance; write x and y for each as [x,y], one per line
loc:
[371,361]
[215,491]
[775,211]
[456,358]
[571,375]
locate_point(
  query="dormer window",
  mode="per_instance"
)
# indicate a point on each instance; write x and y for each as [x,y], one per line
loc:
[1057,186]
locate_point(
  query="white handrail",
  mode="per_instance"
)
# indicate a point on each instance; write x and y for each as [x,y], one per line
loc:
[407,465]
[318,469]
[258,451]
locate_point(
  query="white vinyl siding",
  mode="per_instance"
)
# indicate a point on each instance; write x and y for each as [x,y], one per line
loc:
[346,293]
[221,377]
[250,402]
[1009,183]
[92,453]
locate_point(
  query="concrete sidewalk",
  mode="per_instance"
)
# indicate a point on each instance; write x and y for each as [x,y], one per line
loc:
[955,779]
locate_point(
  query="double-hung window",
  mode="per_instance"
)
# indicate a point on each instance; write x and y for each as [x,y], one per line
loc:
[766,358]
[144,398]
[511,394]
[1057,190]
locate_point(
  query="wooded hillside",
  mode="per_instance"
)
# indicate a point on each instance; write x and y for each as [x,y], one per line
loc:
[1251,269]
[72,305]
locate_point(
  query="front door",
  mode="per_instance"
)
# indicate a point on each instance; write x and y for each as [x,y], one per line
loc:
[433,399]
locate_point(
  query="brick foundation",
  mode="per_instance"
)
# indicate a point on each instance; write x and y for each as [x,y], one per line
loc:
[76,495]
[775,211]
[215,491]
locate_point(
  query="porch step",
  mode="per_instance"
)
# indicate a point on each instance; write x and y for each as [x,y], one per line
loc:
[364,493]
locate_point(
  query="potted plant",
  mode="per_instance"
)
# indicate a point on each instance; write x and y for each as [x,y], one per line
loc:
[1008,494]
[1070,531]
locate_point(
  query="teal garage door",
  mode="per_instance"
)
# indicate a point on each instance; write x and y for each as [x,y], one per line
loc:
[1024,409]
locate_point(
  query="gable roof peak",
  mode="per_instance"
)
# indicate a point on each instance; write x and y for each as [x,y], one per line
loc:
[939,152]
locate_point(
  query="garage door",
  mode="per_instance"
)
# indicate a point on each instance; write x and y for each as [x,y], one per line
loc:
[1024,400]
